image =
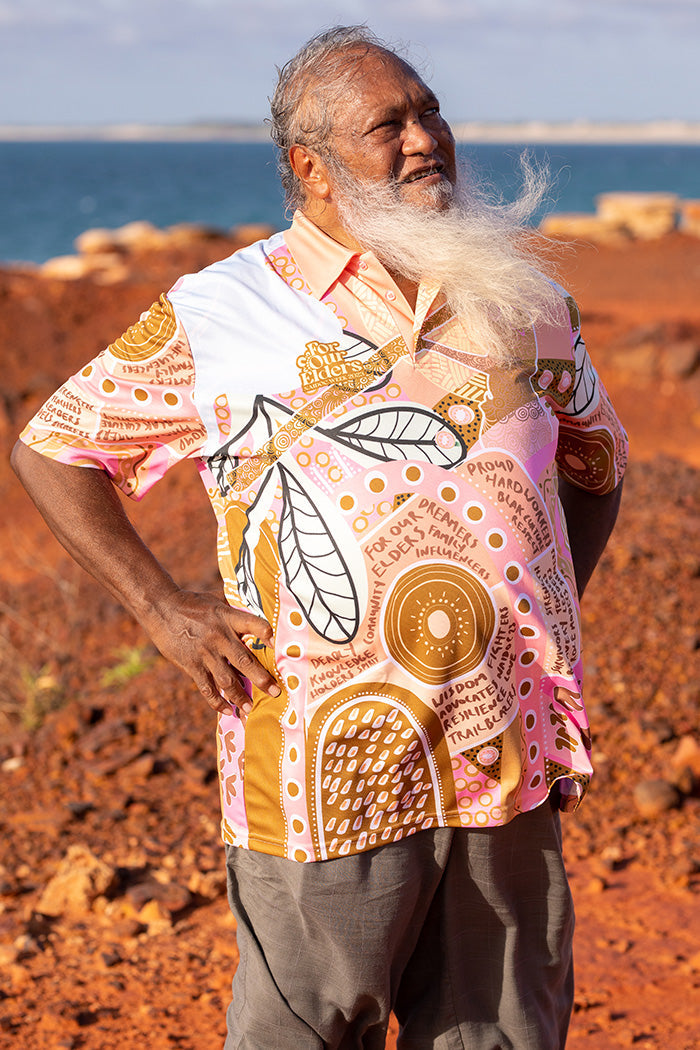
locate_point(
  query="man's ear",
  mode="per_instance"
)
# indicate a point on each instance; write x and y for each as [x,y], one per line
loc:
[311,172]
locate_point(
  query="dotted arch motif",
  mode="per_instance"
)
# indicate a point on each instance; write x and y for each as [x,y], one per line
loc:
[375,774]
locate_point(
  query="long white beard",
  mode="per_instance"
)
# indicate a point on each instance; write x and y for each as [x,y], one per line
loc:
[478,251]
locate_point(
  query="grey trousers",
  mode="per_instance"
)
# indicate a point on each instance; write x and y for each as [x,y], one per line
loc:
[465,934]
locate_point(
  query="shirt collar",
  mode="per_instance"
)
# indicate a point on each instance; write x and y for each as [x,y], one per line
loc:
[321,259]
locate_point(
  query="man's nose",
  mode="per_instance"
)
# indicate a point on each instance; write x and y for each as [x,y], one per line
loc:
[417,139]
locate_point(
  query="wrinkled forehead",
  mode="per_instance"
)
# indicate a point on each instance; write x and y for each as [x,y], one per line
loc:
[357,79]
[369,60]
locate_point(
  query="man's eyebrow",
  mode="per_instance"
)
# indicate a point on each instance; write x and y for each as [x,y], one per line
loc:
[389,113]
[393,111]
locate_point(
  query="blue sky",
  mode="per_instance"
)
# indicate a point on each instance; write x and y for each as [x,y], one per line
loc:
[97,61]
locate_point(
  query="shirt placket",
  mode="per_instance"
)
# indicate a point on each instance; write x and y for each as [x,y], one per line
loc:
[376,314]
[382,304]
[428,292]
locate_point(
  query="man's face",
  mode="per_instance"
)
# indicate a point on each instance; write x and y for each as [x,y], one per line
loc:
[388,128]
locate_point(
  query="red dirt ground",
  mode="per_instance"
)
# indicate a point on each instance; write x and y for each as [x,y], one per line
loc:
[103,746]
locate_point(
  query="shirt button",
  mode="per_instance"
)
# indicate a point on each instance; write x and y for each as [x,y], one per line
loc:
[363,265]
[390,296]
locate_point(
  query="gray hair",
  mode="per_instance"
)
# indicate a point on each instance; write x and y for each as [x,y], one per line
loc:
[302,106]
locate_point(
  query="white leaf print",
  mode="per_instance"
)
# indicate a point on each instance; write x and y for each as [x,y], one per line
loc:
[356,345]
[586,394]
[315,570]
[401,432]
[260,426]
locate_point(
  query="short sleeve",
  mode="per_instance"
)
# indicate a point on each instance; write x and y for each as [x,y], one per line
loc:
[592,445]
[131,410]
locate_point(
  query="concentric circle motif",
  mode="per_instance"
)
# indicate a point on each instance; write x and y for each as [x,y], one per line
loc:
[439,622]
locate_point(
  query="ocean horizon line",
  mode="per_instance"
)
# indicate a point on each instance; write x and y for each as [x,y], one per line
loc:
[583,131]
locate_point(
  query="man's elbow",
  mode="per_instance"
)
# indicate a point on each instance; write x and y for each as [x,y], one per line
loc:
[18,459]
[28,465]
[36,471]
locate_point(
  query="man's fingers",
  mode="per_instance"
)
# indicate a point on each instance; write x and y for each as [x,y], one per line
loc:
[227,682]
[248,634]
[216,700]
[241,660]
[215,644]
[244,623]
[234,699]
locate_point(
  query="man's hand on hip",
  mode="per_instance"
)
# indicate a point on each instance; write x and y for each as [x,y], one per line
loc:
[207,639]
[199,633]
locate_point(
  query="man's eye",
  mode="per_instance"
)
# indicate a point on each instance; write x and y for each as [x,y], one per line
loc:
[386,129]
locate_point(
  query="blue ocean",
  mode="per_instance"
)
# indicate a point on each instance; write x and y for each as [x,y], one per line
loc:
[52,191]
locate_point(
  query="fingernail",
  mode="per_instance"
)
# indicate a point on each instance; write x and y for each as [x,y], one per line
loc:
[246,708]
[274,690]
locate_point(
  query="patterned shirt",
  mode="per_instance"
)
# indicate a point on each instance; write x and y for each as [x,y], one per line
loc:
[387,499]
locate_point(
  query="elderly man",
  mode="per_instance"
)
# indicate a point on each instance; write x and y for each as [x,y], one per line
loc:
[414,469]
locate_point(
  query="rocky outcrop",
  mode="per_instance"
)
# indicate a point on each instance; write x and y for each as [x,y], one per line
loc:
[642,215]
[107,256]
[583,226]
[690,218]
[621,217]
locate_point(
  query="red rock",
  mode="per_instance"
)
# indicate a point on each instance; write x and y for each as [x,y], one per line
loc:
[186,234]
[171,895]
[97,241]
[687,754]
[81,877]
[248,233]
[139,768]
[654,797]
[66,267]
[155,916]
[140,235]
[9,954]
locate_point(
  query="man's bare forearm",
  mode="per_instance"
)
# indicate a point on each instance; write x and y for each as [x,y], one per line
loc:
[590,519]
[84,512]
[198,632]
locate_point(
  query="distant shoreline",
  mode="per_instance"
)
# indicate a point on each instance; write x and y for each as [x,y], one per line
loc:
[658,132]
